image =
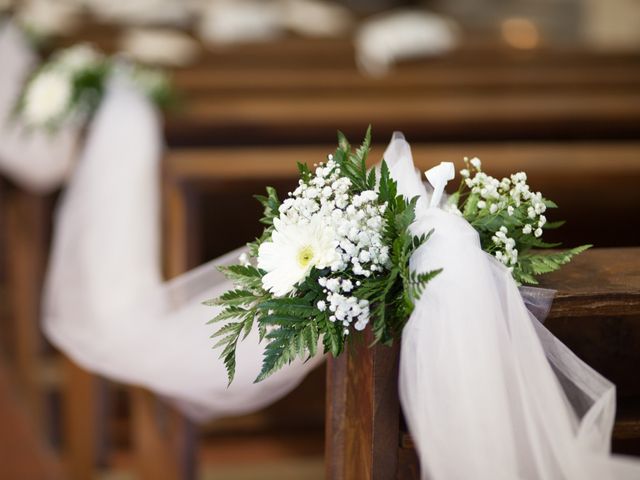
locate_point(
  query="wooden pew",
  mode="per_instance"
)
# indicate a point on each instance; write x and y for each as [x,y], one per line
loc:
[598,298]
[596,170]
[593,182]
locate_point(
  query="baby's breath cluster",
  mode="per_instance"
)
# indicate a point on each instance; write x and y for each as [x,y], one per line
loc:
[356,220]
[343,306]
[505,251]
[510,219]
[511,197]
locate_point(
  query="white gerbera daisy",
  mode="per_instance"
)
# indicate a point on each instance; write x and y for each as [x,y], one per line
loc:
[47,98]
[293,251]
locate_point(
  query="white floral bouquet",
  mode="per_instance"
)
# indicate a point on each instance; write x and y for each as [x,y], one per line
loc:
[71,85]
[334,256]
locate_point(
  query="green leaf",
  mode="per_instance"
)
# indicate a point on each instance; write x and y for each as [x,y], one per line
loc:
[371,179]
[289,306]
[553,225]
[233,298]
[343,143]
[246,276]
[470,207]
[532,264]
[305,173]
[454,198]
[271,205]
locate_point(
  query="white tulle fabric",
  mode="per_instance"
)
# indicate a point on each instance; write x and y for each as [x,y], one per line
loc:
[105,303]
[487,391]
[35,160]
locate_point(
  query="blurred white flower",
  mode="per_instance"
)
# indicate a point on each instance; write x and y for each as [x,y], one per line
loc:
[77,58]
[47,97]
[244,259]
[293,251]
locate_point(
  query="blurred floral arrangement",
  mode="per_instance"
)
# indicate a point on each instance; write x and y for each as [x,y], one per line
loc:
[72,83]
[334,256]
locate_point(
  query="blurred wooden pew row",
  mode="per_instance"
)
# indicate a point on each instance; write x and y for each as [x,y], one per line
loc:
[454,117]
[593,182]
[296,90]
[548,161]
[447,100]
[296,53]
[408,80]
[596,313]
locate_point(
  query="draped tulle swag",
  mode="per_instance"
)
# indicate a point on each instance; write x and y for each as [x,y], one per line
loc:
[488,392]
[106,305]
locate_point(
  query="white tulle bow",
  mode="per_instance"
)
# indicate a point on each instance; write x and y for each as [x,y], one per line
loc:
[438,177]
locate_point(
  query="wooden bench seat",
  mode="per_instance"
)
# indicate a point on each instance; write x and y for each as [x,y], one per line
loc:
[596,313]
[595,184]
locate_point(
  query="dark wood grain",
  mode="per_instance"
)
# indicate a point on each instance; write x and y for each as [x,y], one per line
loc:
[602,282]
[23,453]
[368,422]
[26,240]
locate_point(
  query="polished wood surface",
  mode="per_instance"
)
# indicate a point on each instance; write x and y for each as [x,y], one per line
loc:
[597,291]
[26,240]
[598,283]
[543,161]
[81,422]
[23,453]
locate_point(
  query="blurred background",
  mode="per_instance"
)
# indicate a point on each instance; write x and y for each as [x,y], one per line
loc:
[551,87]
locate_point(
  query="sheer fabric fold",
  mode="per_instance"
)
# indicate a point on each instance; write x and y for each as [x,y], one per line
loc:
[106,305]
[487,391]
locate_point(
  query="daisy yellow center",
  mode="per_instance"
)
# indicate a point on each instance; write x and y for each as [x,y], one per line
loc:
[305,255]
